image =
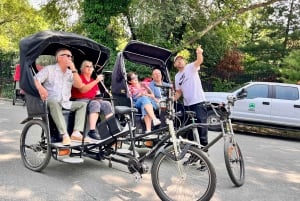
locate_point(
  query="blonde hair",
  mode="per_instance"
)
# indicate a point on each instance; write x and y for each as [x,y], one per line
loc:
[84,63]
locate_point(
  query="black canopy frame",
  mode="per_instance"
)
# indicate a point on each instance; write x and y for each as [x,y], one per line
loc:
[141,53]
[47,43]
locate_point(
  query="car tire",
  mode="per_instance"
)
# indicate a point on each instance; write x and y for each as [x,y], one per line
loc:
[212,118]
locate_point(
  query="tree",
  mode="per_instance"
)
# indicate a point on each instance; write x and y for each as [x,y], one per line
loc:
[234,12]
[15,16]
[274,32]
[62,15]
[290,72]
[98,19]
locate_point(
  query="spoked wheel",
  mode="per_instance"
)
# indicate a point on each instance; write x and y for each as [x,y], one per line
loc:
[34,145]
[234,161]
[191,178]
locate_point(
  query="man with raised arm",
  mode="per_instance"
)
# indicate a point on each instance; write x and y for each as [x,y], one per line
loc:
[188,85]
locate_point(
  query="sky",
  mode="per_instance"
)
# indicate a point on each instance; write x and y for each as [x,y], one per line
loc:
[36,3]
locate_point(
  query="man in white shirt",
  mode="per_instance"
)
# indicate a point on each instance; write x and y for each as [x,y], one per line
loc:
[188,85]
[54,83]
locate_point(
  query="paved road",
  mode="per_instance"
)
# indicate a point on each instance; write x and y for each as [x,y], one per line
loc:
[272,172]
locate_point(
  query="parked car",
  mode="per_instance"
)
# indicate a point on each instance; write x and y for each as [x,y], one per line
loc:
[267,103]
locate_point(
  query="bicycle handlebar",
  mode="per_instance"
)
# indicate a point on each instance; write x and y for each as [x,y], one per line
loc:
[169,86]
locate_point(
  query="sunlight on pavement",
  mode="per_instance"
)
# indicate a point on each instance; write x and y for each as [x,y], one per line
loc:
[290,177]
[293,177]
[109,179]
[7,157]
[21,194]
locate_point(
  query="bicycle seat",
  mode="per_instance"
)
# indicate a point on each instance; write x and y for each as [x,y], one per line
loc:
[125,110]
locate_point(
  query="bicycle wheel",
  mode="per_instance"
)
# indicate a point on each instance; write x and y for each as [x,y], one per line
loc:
[234,161]
[179,180]
[34,145]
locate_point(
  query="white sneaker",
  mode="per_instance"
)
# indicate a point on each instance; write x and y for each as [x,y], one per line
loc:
[156,122]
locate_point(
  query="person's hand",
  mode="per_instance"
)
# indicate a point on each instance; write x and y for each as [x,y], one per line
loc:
[43,93]
[71,65]
[100,78]
[199,50]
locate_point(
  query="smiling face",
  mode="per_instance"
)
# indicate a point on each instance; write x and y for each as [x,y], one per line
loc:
[156,76]
[132,78]
[87,68]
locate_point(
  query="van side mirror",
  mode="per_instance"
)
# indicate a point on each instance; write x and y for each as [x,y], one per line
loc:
[242,94]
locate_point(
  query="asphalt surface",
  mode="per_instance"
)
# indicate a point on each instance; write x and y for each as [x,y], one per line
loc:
[272,171]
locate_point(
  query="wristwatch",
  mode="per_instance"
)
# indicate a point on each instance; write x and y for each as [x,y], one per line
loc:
[74,71]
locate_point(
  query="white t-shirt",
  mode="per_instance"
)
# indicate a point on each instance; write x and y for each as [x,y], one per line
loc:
[188,81]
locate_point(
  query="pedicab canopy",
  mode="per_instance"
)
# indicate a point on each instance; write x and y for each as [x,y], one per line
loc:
[46,43]
[142,53]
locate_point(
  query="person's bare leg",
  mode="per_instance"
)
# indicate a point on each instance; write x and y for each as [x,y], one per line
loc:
[108,115]
[150,111]
[93,117]
[147,120]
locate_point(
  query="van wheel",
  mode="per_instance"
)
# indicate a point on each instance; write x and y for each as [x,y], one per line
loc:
[212,118]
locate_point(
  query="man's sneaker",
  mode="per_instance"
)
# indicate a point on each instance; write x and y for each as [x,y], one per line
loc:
[77,137]
[192,160]
[94,135]
[66,141]
[156,122]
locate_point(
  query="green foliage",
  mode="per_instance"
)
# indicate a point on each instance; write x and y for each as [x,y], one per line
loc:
[264,36]
[223,85]
[17,20]
[291,67]
[62,15]
[98,16]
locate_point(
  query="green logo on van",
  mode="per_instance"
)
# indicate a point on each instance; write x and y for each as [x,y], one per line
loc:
[251,106]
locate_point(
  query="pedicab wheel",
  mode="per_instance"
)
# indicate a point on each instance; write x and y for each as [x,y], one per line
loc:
[191,178]
[34,145]
[234,161]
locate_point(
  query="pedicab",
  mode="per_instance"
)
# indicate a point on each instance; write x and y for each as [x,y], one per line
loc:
[145,56]
[40,138]
[39,141]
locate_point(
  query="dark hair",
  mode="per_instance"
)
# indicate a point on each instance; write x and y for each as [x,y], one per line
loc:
[61,49]
[129,75]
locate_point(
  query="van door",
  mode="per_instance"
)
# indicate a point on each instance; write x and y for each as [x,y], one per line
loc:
[256,106]
[285,108]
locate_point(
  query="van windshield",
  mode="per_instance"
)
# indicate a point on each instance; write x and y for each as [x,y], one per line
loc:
[238,87]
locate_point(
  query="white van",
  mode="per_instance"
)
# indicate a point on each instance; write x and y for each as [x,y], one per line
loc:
[269,103]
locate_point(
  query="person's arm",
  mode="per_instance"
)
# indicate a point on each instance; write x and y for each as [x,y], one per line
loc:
[41,89]
[149,91]
[89,86]
[39,78]
[199,60]
[77,82]
[178,94]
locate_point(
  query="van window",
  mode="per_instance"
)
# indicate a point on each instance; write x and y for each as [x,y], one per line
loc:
[258,90]
[286,93]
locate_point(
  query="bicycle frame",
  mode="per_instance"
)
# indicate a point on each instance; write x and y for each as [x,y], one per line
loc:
[171,137]
[225,122]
